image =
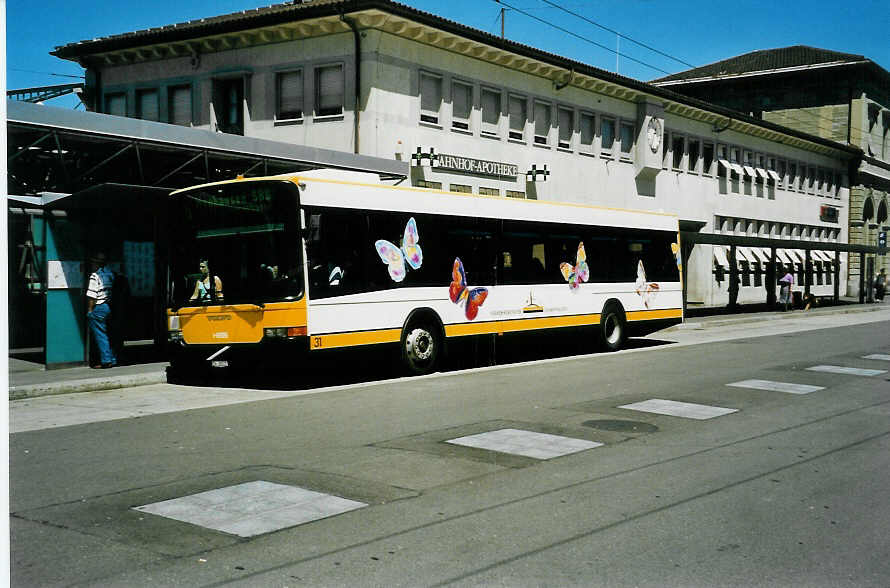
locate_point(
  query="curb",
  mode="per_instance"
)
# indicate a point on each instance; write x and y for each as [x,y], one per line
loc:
[700,325]
[86,385]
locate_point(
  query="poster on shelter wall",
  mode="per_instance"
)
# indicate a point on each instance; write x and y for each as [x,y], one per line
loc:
[139,267]
[62,275]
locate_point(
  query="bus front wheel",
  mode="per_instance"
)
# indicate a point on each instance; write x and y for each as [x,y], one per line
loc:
[421,347]
[613,327]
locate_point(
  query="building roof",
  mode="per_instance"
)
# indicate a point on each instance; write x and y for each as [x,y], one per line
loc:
[171,40]
[767,61]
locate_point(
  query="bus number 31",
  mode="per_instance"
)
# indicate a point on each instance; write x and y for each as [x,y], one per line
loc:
[316,342]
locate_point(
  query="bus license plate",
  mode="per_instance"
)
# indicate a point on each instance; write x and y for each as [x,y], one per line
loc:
[219,363]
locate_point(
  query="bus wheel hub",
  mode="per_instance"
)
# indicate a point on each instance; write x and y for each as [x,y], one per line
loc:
[419,344]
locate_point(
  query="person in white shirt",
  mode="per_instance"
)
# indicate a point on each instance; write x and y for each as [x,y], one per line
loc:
[99,308]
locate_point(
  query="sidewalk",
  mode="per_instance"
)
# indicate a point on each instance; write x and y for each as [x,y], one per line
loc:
[28,379]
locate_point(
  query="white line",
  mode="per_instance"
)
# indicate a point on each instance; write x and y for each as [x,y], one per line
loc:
[881,356]
[777,386]
[849,371]
[680,409]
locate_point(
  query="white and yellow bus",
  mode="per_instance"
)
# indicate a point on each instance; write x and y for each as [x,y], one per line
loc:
[332,259]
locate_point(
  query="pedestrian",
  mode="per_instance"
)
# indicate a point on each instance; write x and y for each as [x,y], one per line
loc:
[99,308]
[785,283]
[881,285]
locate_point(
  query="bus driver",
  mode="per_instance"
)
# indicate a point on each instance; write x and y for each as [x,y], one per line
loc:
[203,289]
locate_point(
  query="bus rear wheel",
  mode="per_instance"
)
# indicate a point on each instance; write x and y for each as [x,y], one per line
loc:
[421,348]
[613,327]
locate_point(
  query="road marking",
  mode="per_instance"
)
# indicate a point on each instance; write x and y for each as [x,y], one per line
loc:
[252,508]
[880,356]
[849,371]
[777,386]
[525,443]
[680,409]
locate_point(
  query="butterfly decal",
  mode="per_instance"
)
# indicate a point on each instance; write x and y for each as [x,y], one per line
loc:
[458,291]
[575,274]
[395,257]
[675,249]
[645,289]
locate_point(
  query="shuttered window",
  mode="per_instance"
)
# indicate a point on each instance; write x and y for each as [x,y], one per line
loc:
[518,116]
[329,90]
[290,95]
[430,97]
[542,123]
[588,127]
[566,127]
[607,138]
[462,103]
[491,111]
[148,104]
[116,104]
[180,99]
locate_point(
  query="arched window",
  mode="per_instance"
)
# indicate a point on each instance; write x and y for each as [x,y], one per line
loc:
[868,210]
[882,212]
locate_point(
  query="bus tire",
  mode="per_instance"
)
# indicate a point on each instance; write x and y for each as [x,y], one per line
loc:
[612,327]
[421,346]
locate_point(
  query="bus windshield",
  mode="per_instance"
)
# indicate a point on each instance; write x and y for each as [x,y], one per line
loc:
[235,243]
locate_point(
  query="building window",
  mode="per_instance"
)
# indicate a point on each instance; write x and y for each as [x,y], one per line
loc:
[792,175]
[542,123]
[462,105]
[626,136]
[430,97]
[228,104]
[180,105]
[607,135]
[566,127]
[116,104]
[491,111]
[693,148]
[707,154]
[811,179]
[329,94]
[147,102]
[462,188]
[781,170]
[518,117]
[587,122]
[515,194]
[289,86]
[678,145]
[489,191]
[428,184]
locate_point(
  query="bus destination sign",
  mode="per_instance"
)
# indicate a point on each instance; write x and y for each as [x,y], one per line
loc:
[478,167]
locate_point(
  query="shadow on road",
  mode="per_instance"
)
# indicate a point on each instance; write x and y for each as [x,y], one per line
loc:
[341,367]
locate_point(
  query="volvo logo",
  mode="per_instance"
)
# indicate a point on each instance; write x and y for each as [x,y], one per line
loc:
[220,317]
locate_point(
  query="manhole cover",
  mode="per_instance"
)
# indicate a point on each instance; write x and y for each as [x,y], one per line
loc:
[626,426]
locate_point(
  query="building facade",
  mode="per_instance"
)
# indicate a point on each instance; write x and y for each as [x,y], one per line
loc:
[838,96]
[476,113]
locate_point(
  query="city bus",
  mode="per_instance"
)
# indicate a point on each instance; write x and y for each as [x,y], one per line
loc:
[280,268]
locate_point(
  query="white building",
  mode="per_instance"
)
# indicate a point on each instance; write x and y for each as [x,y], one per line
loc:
[488,116]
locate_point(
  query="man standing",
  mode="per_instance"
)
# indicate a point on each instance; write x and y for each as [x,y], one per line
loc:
[99,308]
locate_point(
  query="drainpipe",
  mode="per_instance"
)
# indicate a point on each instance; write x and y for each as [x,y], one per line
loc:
[358,78]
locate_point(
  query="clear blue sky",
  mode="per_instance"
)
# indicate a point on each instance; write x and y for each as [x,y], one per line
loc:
[693,31]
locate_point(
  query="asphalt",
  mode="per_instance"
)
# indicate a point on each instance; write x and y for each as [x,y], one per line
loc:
[144,365]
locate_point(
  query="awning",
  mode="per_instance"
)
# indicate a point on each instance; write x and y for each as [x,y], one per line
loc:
[762,173]
[758,252]
[782,256]
[720,256]
[774,175]
[794,255]
[731,166]
[744,254]
[749,170]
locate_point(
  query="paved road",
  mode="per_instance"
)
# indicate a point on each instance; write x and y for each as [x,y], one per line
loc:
[787,490]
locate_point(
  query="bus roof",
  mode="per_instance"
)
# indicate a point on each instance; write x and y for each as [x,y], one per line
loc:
[345,189]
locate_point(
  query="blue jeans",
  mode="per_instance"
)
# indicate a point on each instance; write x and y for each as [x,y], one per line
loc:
[98,320]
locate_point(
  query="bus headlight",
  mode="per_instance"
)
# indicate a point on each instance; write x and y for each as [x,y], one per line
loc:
[174,330]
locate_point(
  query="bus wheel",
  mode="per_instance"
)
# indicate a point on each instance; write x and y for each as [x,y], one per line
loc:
[613,327]
[421,346]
